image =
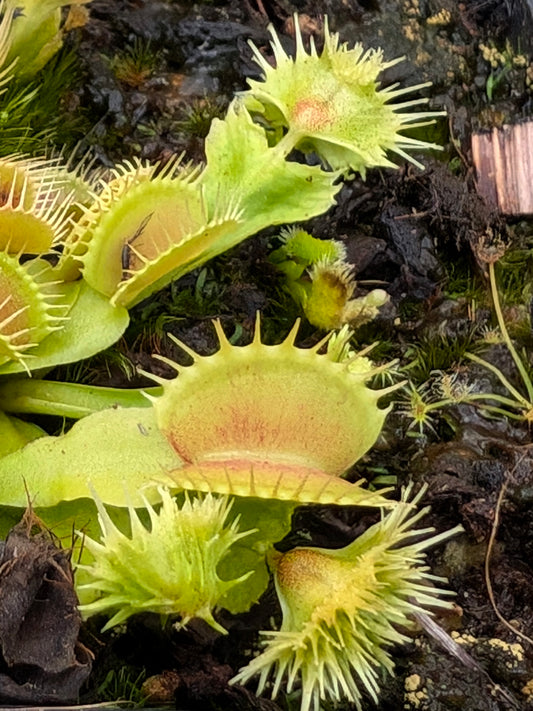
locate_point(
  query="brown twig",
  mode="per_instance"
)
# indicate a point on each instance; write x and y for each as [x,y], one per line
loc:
[490,546]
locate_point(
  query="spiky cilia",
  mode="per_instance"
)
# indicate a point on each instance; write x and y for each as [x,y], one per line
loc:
[277,422]
[330,103]
[169,568]
[342,608]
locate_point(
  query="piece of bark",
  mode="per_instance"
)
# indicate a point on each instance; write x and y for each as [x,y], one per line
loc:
[41,660]
[503,160]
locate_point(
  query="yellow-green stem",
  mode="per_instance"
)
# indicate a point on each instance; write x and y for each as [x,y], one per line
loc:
[48,397]
[289,141]
[501,377]
[497,308]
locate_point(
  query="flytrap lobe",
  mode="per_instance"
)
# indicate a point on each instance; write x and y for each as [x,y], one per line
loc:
[169,568]
[147,226]
[7,12]
[34,205]
[330,103]
[278,422]
[32,306]
[342,608]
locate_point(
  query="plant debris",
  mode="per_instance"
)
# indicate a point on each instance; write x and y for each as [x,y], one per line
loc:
[42,661]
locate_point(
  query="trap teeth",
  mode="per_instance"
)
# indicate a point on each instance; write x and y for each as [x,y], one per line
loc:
[269,421]
[29,308]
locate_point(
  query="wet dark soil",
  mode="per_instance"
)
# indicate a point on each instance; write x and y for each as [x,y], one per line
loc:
[417,232]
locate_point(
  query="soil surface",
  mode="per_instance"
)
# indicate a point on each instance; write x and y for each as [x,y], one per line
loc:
[420,234]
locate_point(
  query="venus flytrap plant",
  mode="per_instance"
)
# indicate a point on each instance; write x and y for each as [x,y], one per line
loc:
[44,322]
[131,234]
[42,318]
[342,608]
[147,228]
[272,426]
[34,217]
[152,227]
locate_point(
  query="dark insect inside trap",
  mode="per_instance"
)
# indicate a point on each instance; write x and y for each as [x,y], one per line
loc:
[128,250]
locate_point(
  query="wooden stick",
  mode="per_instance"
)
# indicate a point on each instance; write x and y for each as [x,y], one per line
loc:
[503,160]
